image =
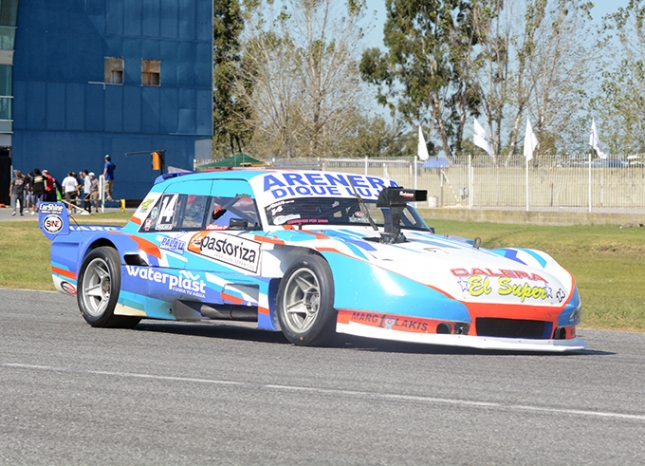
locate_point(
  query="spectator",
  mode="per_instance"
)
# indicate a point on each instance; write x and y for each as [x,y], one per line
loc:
[29,194]
[108,174]
[70,188]
[17,191]
[94,194]
[50,187]
[87,190]
[38,188]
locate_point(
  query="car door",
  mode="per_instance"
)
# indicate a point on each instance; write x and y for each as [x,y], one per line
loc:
[178,214]
[225,250]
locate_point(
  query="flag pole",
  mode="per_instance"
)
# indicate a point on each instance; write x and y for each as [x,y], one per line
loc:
[527,183]
[471,181]
[589,181]
[530,143]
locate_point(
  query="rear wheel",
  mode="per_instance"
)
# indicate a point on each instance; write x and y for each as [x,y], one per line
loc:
[306,303]
[98,289]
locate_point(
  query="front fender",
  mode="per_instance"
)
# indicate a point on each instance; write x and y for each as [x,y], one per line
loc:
[364,286]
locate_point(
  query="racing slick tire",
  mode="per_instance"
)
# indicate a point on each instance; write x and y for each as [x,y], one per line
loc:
[98,289]
[305,304]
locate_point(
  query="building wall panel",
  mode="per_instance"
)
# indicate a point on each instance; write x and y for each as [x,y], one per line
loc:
[114,18]
[55,106]
[62,107]
[151,12]
[203,22]
[203,65]
[150,109]
[74,107]
[169,97]
[94,108]
[204,108]
[36,111]
[113,106]
[170,12]
[133,17]
[150,50]
[187,17]
[170,63]
[131,109]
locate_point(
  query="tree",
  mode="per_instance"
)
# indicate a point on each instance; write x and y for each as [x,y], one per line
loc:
[424,75]
[533,62]
[559,71]
[230,112]
[306,87]
[376,136]
[621,99]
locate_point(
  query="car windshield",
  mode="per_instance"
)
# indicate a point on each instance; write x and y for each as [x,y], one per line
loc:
[336,211]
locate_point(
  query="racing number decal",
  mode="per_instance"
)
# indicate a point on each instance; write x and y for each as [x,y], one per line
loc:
[166,213]
[168,209]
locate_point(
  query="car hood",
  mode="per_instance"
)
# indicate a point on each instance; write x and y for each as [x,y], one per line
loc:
[452,266]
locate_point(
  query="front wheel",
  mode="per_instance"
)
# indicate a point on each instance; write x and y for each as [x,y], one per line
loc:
[98,289]
[306,303]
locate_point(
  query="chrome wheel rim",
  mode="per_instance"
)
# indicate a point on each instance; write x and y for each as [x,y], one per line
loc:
[301,302]
[96,287]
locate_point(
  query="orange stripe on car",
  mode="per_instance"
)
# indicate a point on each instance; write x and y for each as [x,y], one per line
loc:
[265,239]
[317,235]
[232,299]
[64,273]
[146,246]
[389,321]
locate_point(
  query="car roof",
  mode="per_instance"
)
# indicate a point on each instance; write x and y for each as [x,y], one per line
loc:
[271,185]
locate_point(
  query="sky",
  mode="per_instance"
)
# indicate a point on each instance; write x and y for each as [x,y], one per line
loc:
[375,37]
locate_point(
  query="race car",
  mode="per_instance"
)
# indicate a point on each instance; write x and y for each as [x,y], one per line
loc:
[310,254]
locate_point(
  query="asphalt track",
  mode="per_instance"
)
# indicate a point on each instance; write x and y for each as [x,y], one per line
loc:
[168,393]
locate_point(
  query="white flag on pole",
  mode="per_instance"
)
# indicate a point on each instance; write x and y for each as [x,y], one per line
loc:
[423,149]
[481,139]
[594,141]
[530,141]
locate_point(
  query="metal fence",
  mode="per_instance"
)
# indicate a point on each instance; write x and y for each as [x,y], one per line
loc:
[549,183]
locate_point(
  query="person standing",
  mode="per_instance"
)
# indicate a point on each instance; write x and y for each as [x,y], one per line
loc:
[70,188]
[94,193]
[29,178]
[50,187]
[108,175]
[87,190]
[17,191]
[38,188]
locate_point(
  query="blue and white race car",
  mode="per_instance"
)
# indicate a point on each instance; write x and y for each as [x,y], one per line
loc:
[310,254]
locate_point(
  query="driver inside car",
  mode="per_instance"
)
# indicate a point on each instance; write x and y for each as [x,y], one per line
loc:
[220,218]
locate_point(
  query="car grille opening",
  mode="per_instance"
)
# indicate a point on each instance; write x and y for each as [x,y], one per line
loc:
[512,328]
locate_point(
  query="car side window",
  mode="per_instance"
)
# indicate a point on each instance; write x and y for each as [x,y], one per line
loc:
[177,212]
[194,212]
[239,212]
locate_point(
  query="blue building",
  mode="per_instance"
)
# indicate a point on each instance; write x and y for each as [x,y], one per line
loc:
[98,77]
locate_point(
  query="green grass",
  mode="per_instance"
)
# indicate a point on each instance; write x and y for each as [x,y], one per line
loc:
[24,252]
[607,262]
